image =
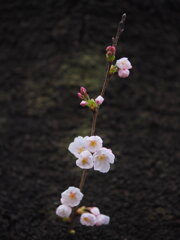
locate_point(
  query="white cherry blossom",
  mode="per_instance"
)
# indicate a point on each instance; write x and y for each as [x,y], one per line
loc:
[99,100]
[102,219]
[94,210]
[123,63]
[63,211]
[93,143]
[77,146]
[71,197]
[85,160]
[102,160]
[88,219]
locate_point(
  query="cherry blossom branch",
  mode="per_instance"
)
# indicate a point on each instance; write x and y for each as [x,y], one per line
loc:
[95,112]
[89,151]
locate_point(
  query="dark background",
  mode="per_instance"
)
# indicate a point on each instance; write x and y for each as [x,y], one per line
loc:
[48,49]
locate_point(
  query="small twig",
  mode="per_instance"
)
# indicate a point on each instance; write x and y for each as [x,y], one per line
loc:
[119,30]
[106,79]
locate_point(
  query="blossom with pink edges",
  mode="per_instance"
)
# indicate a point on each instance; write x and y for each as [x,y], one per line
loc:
[85,160]
[71,197]
[88,219]
[102,219]
[63,211]
[123,63]
[93,143]
[123,73]
[77,146]
[83,103]
[99,100]
[94,210]
[102,160]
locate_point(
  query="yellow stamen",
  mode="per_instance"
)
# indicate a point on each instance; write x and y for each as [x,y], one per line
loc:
[86,219]
[93,143]
[84,161]
[81,149]
[72,195]
[101,157]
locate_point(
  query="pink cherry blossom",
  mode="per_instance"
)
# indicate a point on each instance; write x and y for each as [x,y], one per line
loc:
[102,160]
[77,146]
[85,160]
[102,219]
[88,219]
[93,143]
[63,211]
[123,63]
[71,197]
[123,73]
[99,100]
[94,210]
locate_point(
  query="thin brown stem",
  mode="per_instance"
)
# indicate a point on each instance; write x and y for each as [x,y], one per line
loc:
[93,127]
[83,178]
[106,80]
[84,173]
[120,29]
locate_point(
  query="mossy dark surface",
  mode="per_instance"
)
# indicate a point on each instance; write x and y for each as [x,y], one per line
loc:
[48,50]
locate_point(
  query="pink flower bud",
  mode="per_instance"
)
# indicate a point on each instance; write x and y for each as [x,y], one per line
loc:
[83,103]
[80,95]
[83,90]
[99,100]
[124,73]
[102,219]
[111,50]
[94,210]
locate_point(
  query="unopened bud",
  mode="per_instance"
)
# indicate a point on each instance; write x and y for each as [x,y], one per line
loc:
[80,95]
[81,210]
[72,231]
[111,50]
[124,73]
[83,90]
[99,100]
[83,103]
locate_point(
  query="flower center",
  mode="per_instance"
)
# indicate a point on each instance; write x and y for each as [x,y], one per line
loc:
[86,219]
[84,161]
[72,195]
[101,157]
[81,149]
[93,143]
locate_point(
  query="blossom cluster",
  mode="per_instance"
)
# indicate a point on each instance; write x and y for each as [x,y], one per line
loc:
[69,198]
[122,65]
[86,101]
[90,153]
[93,217]
[89,150]
[89,216]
